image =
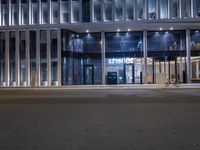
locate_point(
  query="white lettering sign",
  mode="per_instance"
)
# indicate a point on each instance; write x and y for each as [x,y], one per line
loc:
[121,61]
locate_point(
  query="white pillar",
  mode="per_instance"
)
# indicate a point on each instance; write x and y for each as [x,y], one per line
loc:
[188,52]
[48,58]
[103,57]
[27,58]
[38,57]
[145,55]
[17,59]
[59,56]
[7,62]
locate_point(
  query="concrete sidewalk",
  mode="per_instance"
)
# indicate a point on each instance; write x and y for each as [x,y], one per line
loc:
[113,87]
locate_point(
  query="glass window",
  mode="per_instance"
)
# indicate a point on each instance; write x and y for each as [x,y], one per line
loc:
[75,11]
[85,10]
[119,10]
[24,14]
[22,56]
[152,9]
[196,4]
[174,9]
[64,11]
[43,56]
[34,12]
[130,9]
[96,10]
[185,8]
[2,57]
[140,9]
[166,41]
[12,50]
[32,55]
[4,12]
[54,12]
[163,9]
[54,58]
[195,40]
[124,42]
[14,12]
[107,10]
[44,13]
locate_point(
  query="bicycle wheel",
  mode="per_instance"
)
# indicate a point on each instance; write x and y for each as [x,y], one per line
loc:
[167,84]
[177,84]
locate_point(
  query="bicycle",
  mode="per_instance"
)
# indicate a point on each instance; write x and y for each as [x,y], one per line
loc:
[176,83]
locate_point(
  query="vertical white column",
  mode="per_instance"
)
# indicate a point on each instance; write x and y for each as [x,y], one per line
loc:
[91,11]
[158,9]
[70,11]
[59,52]
[38,57]
[188,52]
[29,12]
[50,17]
[197,69]
[48,58]
[145,55]
[80,13]
[168,10]
[180,10]
[19,12]
[27,58]
[7,58]
[59,11]
[0,12]
[102,10]
[113,10]
[17,57]
[103,57]
[192,9]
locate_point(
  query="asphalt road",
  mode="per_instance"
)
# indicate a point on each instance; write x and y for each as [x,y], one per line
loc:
[100,119]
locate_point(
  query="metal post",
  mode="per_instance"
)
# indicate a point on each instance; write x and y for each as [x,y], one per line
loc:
[48,58]
[17,59]
[103,56]
[145,55]
[59,56]
[7,62]
[38,57]
[188,51]
[27,58]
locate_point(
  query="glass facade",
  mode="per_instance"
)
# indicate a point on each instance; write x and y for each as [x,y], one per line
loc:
[130,10]
[96,9]
[13,12]
[66,42]
[4,12]
[44,12]
[33,45]
[12,57]
[43,57]
[75,14]
[54,11]
[22,57]
[195,56]
[34,12]
[81,58]
[152,9]
[2,57]
[54,56]
[107,10]
[24,14]
[124,57]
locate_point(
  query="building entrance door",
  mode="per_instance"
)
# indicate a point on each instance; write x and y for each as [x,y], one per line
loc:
[129,73]
[88,74]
